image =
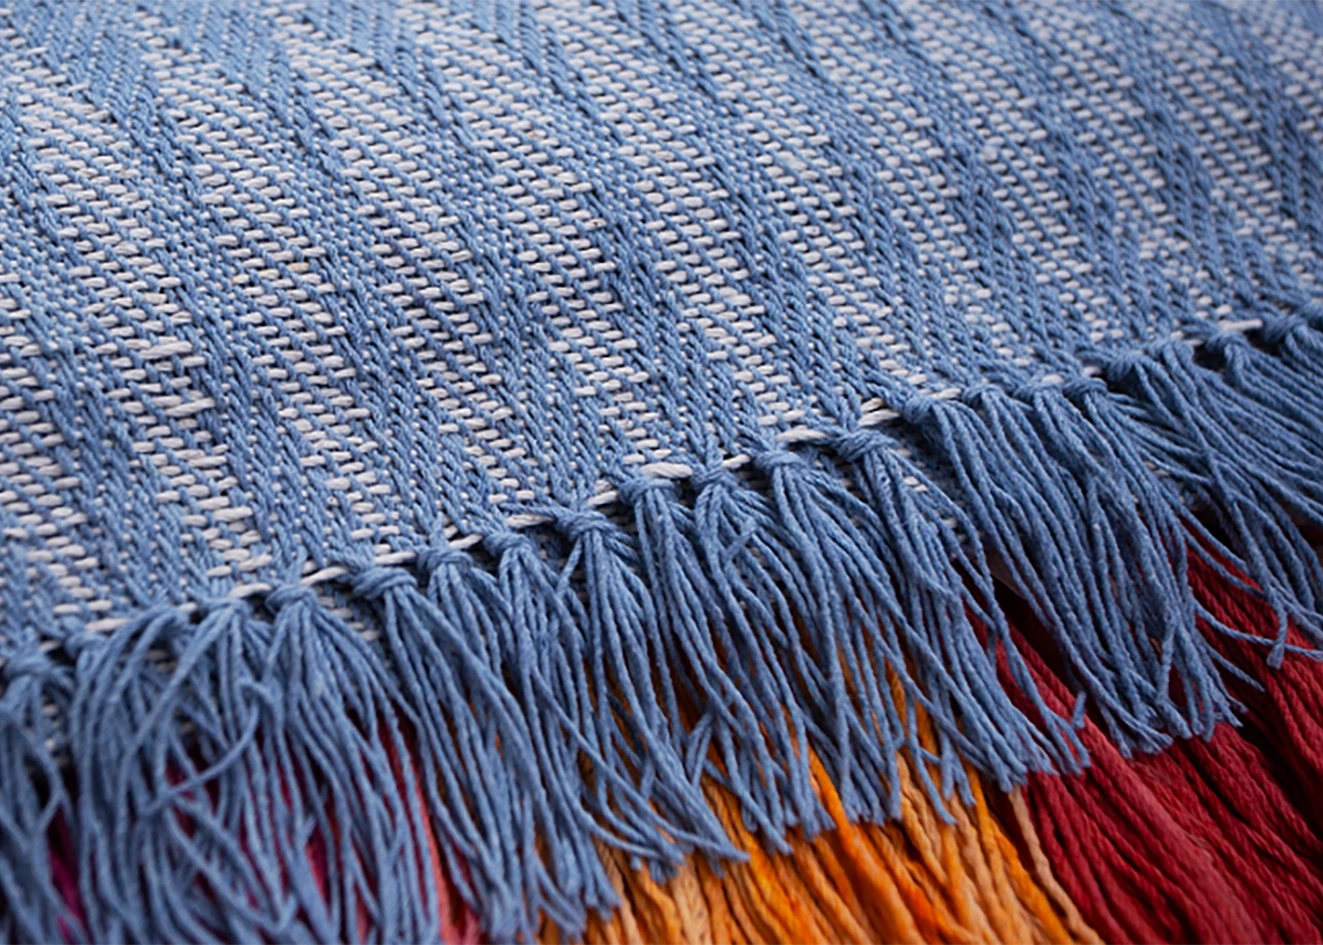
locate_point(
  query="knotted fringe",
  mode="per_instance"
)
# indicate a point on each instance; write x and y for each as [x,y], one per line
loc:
[1092,496]
[1248,450]
[35,805]
[1202,842]
[1284,707]
[953,875]
[587,687]
[237,779]
[1226,805]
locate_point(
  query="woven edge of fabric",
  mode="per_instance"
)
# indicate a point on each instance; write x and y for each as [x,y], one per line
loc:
[581,680]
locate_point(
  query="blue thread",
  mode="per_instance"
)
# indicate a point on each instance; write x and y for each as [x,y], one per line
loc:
[375,582]
[433,558]
[289,595]
[285,295]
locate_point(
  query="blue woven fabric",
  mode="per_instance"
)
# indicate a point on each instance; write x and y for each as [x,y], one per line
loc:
[589,400]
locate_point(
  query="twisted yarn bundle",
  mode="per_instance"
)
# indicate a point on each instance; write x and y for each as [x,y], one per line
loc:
[455,454]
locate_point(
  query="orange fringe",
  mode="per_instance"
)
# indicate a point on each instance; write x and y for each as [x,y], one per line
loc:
[982,878]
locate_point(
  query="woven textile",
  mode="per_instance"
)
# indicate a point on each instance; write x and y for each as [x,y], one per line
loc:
[474,433]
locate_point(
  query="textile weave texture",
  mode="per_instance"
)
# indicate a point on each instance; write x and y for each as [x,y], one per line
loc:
[473,434]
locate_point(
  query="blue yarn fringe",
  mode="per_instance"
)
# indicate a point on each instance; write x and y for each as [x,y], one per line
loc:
[576,685]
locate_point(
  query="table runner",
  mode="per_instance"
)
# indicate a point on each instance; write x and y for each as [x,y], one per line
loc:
[496,422]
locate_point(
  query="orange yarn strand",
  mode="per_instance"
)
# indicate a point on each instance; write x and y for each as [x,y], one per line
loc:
[857,883]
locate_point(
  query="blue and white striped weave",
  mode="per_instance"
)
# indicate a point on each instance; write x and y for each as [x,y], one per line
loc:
[590,399]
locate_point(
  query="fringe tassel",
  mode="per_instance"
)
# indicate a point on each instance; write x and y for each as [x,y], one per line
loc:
[957,874]
[775,633]
[1083,534]
[1246,458]
[213,760]
[815,559]
[921,880]
[36,904]
[1284,707]
[1196,843]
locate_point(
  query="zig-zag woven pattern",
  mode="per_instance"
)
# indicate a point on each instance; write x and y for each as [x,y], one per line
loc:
[607,397]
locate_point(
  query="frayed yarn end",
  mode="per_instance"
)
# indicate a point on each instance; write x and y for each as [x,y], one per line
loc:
[586,682]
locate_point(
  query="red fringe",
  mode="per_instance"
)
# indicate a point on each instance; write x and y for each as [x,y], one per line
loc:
[1213,841]
[1204,841]
[1284,714]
